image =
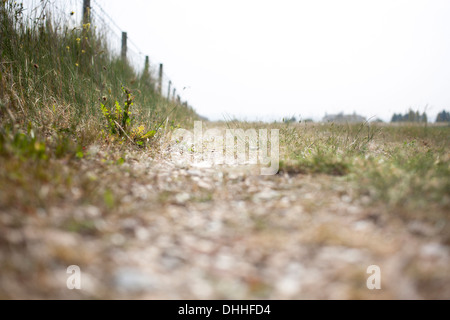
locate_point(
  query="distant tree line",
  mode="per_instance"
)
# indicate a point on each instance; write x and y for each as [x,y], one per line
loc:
[294,120]
[411,116]
[443,117]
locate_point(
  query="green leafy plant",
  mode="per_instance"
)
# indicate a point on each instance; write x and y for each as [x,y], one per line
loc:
[118,118]
[120,121]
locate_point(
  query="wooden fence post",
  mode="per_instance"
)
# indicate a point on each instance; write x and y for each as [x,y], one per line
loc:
[86,11]
[124,45]
[161,69]
[2,15]
[168,93]
[147,64]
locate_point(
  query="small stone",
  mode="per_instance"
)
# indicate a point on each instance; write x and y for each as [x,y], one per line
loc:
[118,239]
[182,197]
[267,195]
[434,250]
[420,228]
[133,280]
[288,286]
[142,234]
[204,185]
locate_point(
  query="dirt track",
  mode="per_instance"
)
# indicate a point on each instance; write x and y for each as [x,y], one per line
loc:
[193,232]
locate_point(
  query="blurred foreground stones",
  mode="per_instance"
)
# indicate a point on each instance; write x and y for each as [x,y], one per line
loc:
[199,232]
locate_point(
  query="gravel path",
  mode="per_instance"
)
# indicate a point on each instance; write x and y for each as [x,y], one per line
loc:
[196,232]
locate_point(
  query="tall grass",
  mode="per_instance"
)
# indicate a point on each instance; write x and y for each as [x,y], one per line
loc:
[405,167]
[55,77]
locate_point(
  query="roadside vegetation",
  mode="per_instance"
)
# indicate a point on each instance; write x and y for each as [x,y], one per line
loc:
[62,92]
[84,180]
[405,167]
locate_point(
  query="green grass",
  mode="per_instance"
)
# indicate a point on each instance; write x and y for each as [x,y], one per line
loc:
[56,77]
[405,167]
[61,92]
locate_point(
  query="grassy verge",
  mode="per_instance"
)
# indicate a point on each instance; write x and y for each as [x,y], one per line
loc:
[406,168]
[61,92]
[57,77]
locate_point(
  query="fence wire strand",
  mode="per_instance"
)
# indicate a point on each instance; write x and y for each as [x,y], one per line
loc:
[70,13]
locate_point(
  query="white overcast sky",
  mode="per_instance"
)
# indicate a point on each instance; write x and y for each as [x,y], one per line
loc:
[261,60]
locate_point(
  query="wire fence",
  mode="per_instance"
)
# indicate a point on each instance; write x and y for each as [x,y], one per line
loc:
[72,13]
